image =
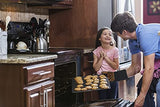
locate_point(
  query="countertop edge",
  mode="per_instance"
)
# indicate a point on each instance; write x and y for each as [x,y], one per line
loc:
[25,59]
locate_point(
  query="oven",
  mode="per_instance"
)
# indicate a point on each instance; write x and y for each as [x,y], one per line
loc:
[67,66]
[63,86]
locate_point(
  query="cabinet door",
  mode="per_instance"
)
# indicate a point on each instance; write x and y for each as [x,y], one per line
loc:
[40,95]
[49,95]
[34,98]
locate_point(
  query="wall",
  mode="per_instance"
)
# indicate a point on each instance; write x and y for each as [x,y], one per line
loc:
[20,12]
[139,11]
[76,27]
[104,13]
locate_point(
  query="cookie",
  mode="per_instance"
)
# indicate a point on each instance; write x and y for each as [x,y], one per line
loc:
[79,86]
[77,89]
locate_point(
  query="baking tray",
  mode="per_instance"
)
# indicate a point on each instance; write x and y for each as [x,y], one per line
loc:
[74,85]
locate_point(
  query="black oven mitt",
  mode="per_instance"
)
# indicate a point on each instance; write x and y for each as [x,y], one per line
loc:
[116,76]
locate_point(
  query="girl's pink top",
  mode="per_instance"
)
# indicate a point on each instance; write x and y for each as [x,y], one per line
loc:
[156,73]
[112,53]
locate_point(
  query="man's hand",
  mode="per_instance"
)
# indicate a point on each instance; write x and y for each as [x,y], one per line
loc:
[116,76]
[139,101]
[110,75]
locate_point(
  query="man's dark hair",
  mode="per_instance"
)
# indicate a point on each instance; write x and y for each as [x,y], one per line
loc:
[123,21]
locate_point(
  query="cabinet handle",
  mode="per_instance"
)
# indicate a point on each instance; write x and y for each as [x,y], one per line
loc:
[42,72]
[44,99]
[34,95]
[48,90]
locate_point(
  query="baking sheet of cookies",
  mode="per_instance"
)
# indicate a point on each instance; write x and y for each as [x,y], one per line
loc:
[90,83]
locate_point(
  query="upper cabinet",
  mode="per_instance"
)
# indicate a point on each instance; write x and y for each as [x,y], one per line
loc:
[10,1]
[64,2]
[48,4]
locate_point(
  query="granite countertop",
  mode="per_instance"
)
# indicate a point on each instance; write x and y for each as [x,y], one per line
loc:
[25,58]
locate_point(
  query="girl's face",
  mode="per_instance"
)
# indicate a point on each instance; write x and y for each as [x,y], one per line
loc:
[106,36]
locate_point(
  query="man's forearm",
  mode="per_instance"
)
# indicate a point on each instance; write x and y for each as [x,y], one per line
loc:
[147,79]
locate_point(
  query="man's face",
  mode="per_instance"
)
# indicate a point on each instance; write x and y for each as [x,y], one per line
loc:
[123,36]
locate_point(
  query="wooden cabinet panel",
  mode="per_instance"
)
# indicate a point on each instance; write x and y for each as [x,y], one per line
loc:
[38,72]
[10,1]
[15,93]
[76,27]
[49,95]
[33,98]
[65,2]
[35,102]
[88,64]
[41,94]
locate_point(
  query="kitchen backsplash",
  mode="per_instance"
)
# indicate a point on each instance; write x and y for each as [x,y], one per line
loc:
[21,13]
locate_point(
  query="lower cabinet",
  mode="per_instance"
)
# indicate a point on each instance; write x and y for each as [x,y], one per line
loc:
[27,85]
[40,95]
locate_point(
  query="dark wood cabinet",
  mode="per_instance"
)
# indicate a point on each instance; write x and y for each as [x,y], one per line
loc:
[80,25]
[41,95]
[65,2]
[38,91]
[43,4]
[88,64]
[11,1]
[27,85]
[33,98]
[59,4]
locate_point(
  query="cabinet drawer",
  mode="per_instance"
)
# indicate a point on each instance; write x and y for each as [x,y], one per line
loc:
[38,72]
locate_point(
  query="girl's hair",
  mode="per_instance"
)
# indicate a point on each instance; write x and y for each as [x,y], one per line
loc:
[123,21]
[98,42]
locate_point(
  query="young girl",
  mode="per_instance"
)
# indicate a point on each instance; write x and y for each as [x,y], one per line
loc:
[106,59]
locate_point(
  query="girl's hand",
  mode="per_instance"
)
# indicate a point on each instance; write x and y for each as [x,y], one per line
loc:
[101,54]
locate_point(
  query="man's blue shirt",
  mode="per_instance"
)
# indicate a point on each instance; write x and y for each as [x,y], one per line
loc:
[147,40]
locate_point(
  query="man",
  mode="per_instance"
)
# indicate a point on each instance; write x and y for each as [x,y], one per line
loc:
[145,39]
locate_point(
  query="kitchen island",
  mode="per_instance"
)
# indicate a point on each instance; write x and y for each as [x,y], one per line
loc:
[27,80]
